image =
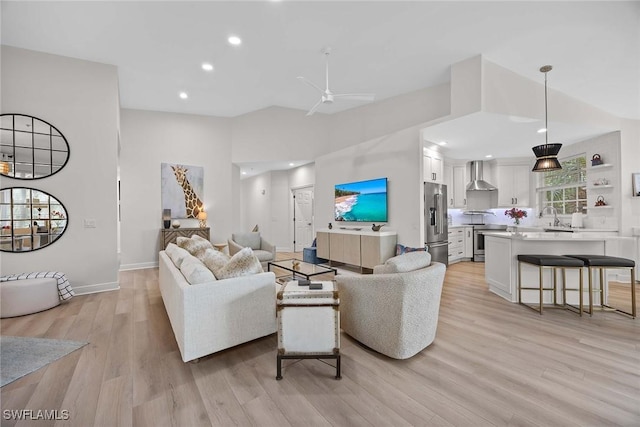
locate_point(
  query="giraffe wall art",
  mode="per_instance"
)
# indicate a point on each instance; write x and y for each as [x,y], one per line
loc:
[182,189]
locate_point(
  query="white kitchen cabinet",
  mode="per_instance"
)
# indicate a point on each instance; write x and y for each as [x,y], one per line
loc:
[456,244]
[468,242]
[459,190]
[513,185]
[433,167]
[448,181]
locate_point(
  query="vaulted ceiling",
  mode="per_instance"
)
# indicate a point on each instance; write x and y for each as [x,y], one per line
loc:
[387,48]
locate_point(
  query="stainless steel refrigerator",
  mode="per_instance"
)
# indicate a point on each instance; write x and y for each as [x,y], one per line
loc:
[436,230]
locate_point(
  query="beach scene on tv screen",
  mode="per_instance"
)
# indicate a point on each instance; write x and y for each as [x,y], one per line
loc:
[361,201]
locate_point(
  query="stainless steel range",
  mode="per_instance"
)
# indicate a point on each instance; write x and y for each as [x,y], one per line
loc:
[478,239]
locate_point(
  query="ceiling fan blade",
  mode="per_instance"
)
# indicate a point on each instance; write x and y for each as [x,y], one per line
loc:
[303,80]
[356,96]
[314,108]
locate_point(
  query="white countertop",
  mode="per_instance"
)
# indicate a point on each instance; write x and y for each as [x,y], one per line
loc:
[547,236]
[582,230]
[533,228]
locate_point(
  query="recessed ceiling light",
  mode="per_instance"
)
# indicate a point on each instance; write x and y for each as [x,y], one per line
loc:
[543,130]
[244,173]
[442,143]
[290,164]
[234,40]
[183,95]
[207,67]
[488,156]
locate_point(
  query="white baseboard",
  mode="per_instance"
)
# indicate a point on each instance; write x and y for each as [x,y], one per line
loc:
[94,289]
[138,266]
[283,249]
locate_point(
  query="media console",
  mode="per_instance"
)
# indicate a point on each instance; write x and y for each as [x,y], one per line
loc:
[364,249]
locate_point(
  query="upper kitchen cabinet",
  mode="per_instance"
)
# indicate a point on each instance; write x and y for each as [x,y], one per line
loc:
[448,181]
[513,185]
[433,167]
[459,191]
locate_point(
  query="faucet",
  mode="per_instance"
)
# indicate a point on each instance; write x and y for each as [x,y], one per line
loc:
[556,220]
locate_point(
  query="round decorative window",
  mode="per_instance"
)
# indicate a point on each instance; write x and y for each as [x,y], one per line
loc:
[30,148]
[30,219]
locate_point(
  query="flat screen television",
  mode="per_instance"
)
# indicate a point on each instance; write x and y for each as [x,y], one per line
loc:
[362,201]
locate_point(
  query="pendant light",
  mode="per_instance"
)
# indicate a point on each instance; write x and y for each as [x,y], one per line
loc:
[546,154]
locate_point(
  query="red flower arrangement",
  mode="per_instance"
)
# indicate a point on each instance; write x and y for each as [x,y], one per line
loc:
[516,214]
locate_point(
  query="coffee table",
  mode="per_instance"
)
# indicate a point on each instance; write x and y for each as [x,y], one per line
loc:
[286,271]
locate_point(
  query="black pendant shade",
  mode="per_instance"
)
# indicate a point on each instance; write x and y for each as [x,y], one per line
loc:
[546,155]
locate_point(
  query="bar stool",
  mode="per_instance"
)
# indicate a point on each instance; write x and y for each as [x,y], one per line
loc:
[601,263]
[553,262]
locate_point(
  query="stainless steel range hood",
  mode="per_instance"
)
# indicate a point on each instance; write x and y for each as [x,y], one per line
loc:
[477,182]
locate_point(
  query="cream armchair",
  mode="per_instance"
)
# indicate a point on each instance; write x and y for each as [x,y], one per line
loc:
[394,311]
[265,251]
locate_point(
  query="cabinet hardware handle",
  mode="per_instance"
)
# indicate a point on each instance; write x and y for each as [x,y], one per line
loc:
[465,202]
[516,200]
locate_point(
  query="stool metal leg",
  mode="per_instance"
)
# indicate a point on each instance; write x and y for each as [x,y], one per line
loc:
[555,285]
[519,282]
[564,286]
[633,295]
[541,269]
[590,291]
[582,292]
[633,292]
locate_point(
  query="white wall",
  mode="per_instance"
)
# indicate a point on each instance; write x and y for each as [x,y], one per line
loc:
[256,204]
[387,116]
[506,92]
[273,210]
[629,163]
[80,98]
[281,215]
[397,157]
[151,138]
[608,146]
[278,133]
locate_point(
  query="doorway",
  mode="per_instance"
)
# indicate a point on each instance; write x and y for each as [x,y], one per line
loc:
[302,218]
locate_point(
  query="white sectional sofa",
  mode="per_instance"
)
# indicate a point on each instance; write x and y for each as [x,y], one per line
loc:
[212,316]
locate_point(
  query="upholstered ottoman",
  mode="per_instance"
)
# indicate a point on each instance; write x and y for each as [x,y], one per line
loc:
[20,297]
[308,323]
[310,255]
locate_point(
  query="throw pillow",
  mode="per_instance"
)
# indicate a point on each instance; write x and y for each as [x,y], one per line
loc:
[176,254]
[194,246]
[408,262]
[214,260]
[401,249]
[247,240]
[243,263]
[202,239]
[195,271]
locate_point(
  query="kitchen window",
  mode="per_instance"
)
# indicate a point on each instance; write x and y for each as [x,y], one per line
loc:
[565,189]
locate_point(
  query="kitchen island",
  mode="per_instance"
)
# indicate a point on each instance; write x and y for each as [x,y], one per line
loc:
[501,262]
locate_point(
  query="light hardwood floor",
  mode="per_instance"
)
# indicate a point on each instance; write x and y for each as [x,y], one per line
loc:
[493,363]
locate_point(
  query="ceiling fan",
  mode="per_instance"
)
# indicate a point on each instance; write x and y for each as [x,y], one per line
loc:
[327,97]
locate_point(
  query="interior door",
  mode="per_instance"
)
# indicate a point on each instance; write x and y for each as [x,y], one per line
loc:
[302,218]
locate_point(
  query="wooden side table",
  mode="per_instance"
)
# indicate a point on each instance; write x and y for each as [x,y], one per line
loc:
[170,235]
[220,246]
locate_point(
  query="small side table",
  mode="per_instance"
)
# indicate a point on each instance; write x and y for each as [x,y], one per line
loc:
[220,246]
[308,323]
